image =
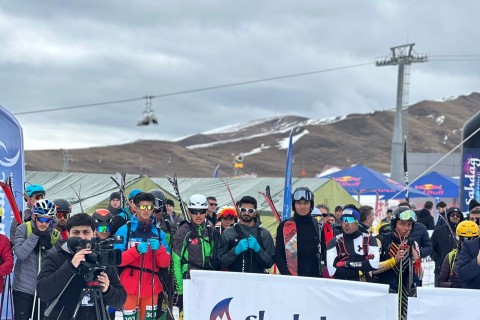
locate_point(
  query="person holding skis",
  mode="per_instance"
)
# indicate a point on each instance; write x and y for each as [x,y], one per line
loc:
[400,264]
[193,244]
[144,252]
[297,246]
[448,278]
[64,209]
[443,239]
[246,247]
[33,240]
[352,254]
[33,193]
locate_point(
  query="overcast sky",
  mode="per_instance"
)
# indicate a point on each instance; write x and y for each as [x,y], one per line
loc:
[64,53]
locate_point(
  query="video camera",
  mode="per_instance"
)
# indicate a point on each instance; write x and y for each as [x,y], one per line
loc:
[103,255]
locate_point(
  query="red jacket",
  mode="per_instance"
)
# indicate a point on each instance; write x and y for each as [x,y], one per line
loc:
[130,277]
[6,259]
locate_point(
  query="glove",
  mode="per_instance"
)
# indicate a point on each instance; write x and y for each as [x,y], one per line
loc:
[142,247]
[253,244]
[45,241]
[154,244]
[241,246]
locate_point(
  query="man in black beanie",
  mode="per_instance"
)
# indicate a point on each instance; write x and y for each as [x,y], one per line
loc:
[473,205]
[114,203]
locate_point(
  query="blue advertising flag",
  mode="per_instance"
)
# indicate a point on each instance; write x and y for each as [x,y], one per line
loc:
[287,193]
[215,172]
[12,165]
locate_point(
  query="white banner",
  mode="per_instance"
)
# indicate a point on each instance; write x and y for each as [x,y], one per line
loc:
[242,296]
[443,303]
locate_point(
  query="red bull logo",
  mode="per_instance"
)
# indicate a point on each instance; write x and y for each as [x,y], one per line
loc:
[431,189]
[349,181]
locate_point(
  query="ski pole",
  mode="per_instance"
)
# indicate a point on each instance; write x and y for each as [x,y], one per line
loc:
[137,307]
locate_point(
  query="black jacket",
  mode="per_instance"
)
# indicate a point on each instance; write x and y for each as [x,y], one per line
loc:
[308,240]
[419,233]
[57,270]
[425,218]
[443,242]
[468,268]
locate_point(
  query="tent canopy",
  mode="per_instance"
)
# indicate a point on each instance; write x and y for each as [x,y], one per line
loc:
[365,181]
[436,184]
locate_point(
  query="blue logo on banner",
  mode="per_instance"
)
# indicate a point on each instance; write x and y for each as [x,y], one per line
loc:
[12,165]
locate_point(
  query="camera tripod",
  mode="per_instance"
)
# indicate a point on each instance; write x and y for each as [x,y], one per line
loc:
[91,295]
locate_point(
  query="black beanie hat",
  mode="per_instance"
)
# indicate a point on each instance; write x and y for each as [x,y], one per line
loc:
[115,195]
[170,202]
[473,203]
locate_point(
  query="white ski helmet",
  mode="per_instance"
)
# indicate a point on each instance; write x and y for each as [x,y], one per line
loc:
[198,201]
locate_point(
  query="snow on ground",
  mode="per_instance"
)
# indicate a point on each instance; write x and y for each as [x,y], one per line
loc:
[283,143]
[256,150]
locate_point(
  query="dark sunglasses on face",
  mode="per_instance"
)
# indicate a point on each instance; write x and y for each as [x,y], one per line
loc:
[200,211]
[145,207]
[249,210]
[101,229]
[64,215]
[213,204]
[44,219]
[455,215]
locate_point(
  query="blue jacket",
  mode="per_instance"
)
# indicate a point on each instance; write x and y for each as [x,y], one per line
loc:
[468,268]
[138,236]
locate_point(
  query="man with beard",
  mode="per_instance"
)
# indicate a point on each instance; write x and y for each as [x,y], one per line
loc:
[353,254]
[444,240]
[64,209]
[246,247]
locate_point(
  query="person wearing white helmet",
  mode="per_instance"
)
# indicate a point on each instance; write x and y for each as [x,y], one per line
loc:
[33,240]
[193,244]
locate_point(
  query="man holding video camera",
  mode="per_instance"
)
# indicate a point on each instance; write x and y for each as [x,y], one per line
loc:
[62,274]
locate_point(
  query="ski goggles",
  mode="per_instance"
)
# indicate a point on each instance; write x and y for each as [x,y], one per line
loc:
[348,219]
[159,203]
[249,210]
[44,219]
[101,229]
[303,194]
[64,215]
[408,215]
[145,206]
[198,211]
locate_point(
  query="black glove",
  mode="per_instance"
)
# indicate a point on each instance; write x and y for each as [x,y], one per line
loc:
[45,241]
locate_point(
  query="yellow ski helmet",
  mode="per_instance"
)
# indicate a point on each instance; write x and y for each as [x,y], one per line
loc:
[468,229]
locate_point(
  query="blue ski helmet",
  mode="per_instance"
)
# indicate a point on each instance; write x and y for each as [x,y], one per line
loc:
[34,189]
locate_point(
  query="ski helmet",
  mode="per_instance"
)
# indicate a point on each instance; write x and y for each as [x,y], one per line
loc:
[303,193]
[227,211]
[62,205]
[103,217]
[160,199]
[44,207]
[198,201]
[33,189]
[467,229]
[402,213]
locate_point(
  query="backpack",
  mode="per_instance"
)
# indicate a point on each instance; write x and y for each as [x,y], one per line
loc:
[54,237]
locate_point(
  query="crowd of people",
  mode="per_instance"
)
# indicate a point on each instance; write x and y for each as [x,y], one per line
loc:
[133,259]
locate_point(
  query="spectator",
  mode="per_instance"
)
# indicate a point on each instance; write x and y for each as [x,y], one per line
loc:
[425,216]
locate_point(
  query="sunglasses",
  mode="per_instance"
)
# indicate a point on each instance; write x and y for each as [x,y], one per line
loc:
[101,229]
[44,219]
[64,215]
[249,210]
[213,204]
[455,215]
[348,220]
[145,206]
[200,211]
[408,215]
[302,194]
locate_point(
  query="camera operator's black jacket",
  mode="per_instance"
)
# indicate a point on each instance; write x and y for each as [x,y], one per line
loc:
[56,270]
